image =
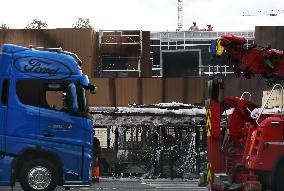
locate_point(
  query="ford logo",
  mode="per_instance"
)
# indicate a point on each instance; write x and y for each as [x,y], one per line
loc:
[41,67]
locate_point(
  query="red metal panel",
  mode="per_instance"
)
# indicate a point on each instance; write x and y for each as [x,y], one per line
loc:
[215,158]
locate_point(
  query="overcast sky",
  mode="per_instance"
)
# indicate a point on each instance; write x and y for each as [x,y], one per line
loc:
[154,15]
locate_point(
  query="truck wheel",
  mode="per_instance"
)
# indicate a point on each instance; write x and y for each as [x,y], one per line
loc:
[39,174]
[277,177]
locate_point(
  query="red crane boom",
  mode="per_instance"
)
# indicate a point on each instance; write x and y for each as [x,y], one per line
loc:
[247,154]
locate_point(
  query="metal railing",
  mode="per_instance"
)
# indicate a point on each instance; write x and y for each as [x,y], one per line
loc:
[263,106]
[211,70]
[198,35]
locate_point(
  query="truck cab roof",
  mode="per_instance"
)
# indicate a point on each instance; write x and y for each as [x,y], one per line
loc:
[23,62]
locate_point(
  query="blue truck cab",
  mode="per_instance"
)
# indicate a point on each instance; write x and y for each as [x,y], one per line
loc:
[46,131]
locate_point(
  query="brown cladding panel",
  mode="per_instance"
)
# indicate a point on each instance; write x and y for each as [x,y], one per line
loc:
[270,35]
[95,40]
[80,42]
[173,90]
[22,37]
[17,38]
[126,91]
[236,86]
[36,38]
[14,37]
[2,37]
[194,88]
[102,97]
[50,38]
[146,64]
[94,51]
[83,41]
[152,90]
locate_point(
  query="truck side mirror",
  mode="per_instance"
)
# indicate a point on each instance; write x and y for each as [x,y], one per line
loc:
[74,100]
[93,89]
[84,80]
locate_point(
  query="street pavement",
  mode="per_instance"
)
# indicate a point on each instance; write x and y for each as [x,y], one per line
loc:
[127,184]
[174,185]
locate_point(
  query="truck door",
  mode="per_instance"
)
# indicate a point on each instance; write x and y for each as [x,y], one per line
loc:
[4,86]
[60,129]
[23,115]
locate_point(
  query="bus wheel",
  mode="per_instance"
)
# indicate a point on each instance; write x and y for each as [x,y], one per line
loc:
[39,174]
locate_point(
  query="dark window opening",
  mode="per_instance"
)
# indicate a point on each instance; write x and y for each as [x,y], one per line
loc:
[40,93]
[180,63]
[5,92]
[50,94]
[28,92]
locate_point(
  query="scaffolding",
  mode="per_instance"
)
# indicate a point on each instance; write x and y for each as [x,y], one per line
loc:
[120,53]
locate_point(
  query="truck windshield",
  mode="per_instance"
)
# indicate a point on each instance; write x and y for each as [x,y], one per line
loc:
[50,94]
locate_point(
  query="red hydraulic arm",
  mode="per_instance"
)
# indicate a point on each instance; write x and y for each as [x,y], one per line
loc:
[249,61]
